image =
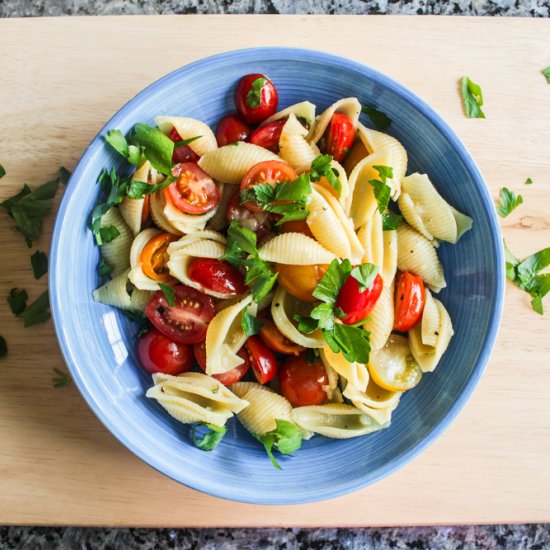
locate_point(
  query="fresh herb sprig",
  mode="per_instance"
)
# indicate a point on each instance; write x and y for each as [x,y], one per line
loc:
[546,73]
[321,167]
[382,194]
[380,120]
[60,378]
[210,439]
[37,312]
[254,96]
[508,201]
[472,97]
[285,438]
[250,324]
[169,294]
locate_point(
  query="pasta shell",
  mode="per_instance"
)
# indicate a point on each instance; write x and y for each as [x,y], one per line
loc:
[349,106]
[139,299]
[335,420]
[230,163]
[283,309]
[157,214]
[295,249]
[304,112]
[331,389]
[356,374]
[293,147]
[389,266]
[371,237]
[118,293]
[431,319]
[116,253]
[380,321]
[196,237]
[417,254]
[184,223]
[188,128]
[374,397]
[136,275]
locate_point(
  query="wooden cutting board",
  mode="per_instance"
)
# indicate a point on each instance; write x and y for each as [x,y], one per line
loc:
[61,79]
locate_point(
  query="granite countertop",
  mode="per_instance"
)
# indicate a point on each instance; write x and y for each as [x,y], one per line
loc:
[533,537]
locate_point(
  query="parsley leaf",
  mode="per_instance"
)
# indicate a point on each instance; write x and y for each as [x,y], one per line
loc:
[353,342]
[169,294]
[382,190]
[138,189]
[241,242]
[546,73]
[17,300]
[60,378]
[335,276]
[104,269]
[2,171]
[116,139]
[259,277]
[391,221]
[38,311]
[285,438]
[250,324]
[157,147]
[253,97]
[64,175]
[210,440]
[472,97]
[39,263]
[508,202]
[364,274]
[322,167]
[3,347]
[107,234]
[528,181]
[185,141]
[380,120]
[306,325]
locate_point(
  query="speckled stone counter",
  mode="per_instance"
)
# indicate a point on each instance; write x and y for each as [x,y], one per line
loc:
[516,537]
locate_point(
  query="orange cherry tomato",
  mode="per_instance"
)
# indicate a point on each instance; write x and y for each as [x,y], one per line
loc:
[297,226]
[340,136]
[269,171]
[410,297]
[154,257]
[302,381]
[300,280]
[275,340]
[357,304]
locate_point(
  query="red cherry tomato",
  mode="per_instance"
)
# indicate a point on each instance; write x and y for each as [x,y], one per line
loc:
[302,382]
[217,275]
[260,222]
[340,136]
[410,297]
[157,353]
[227,378]
[187,320]
[194,192]
[262,360]
[358,305]
[183,153]
[274,339]
[256,98]
[146,210]
[269,171]
[231,129]
[268,136]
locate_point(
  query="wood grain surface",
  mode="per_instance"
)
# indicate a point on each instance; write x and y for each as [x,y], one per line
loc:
[63,78]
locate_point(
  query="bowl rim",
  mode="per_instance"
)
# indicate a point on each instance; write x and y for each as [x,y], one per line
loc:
[340,488]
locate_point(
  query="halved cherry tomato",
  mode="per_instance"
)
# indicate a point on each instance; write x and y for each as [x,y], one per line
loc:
[226,378]
[302,381]
[300,280]
[262,360]
[410,297]
[269,171]
[146,209]
[217,275]
[183,153]
[185,322]
[231,129]
[154,257]
[259,222]
[256,98]
[356,304]
[194,192]
[297,226]
[268,136]
[275,340]
[340,136]
[157,353]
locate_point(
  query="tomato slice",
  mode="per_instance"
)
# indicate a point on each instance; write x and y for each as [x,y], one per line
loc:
[194,192]
[231,128]
[356,304]
[410,297]
[272,337]
[226,378]
[154,257]
[393,367]
[258,222]
[302,381]
[157,353]
[300,280]
[183,153]
[340,136]
[269,171]
[262,360]
[256,98]
[185,322]
[218,276]
[268,136]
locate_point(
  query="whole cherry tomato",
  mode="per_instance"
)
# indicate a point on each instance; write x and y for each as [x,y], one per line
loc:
[217,275]
[226,378]
[262,360]
[340,136]
[256,98]
[231,129]
[357,304]
[157,353]
[302,381]
[267,136]
[300,280]
[410,297]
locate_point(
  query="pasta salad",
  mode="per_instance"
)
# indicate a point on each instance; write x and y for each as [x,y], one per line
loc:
[283,269]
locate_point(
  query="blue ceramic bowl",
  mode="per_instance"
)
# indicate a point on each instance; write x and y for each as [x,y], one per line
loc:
[98,342]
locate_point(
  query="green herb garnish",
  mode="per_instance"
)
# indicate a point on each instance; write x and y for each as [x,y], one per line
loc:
[528,181]
[322,167]
[391,221]
[508,202]
[250,324]
[17,300]
[253,97]
[382,191]
[472,97]
[380,120]
[169,294]
[185,141]
[210,440]
[546,73]
[285,438]
[364,274]
[38,311]
[104,269]
[138,189]
[116,139]
[60,378]
[156,147]
[2,171]
[39,263]
[64,175]
[3,347]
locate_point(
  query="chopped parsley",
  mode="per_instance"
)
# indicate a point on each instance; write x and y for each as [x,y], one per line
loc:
[391,221]
[210,437]
[546,73]
[380,120]
[185,141]
[528,181]
[285,438]
[17,300]
[382,194]
[472,97]
[250,324]
[254,96]
[60,378]
[3,347]
[169,294]
[38,311]
[39,263]
[507,202]
[322,167]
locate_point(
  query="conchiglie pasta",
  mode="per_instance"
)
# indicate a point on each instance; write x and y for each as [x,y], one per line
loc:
[116,252]
[371,237]
[303,111]
[230,163]
[188,128]
[349,106]
[373,397]
[295,249]
[389,265]
[380,322]
[356,374]
[293,147]
[417,254]
[156,202]
[118,293]
[195,397]
[184,223]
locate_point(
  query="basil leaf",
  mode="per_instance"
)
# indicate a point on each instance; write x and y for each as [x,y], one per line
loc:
[250,324]
[17,300]
[138,189]
[2,174]
[508,202]
[209,440]
[322,167]
[254,97]
[380,120]
[116,139]
[3,344]
[329,286]
[60,378]
[472,98]
[157,147]
[546,73]
[169,294]
[38,311]
[364,274]
[39,263]
[64,175]
[528,181]
[306,325]
[104,269]
[391,221]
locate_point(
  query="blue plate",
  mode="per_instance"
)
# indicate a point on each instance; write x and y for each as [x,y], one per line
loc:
[98,342]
